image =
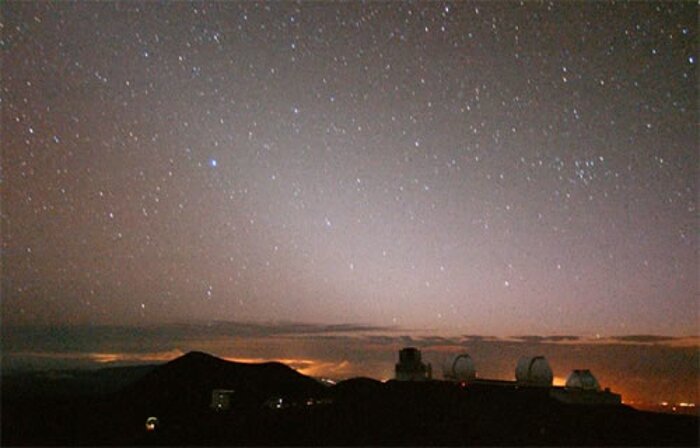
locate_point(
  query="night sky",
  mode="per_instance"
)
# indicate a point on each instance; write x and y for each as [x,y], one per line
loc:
[496,168]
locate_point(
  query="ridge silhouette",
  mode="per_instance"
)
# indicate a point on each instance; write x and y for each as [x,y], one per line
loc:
[357,411]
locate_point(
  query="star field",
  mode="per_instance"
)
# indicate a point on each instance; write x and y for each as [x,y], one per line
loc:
[488,167]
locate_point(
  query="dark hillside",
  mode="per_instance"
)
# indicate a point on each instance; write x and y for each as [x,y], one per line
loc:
[275,405]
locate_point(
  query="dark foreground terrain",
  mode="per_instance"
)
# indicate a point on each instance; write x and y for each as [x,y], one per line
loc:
[274,405]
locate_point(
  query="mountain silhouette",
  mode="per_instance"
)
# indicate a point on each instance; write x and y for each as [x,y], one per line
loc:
[187,383]
[272,404]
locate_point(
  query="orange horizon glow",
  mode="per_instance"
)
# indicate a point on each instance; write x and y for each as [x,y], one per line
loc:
[307,367]
[559,381]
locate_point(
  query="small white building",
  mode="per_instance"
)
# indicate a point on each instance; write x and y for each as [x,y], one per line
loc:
[221,399]
[459,368]
[534,371]
[582,379]
[582,387]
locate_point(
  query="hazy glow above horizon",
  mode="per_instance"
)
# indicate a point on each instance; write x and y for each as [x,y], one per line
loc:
[462,168]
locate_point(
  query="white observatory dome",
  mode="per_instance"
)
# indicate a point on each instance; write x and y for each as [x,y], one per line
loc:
[582,379]
[534,370]
[459,368]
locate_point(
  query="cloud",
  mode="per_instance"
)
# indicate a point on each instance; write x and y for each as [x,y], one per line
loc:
[643,338]
[63,360]
[391,340]
[184,336]
[478,337]
[232,328]
[545,339]
[437,340]
[162,337]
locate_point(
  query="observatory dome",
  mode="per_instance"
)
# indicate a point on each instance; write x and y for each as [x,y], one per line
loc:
[582,379]
[459,368]
[534,370]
